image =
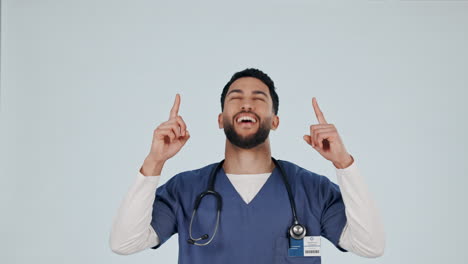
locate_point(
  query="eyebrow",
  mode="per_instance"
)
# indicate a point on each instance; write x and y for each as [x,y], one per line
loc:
[240,91]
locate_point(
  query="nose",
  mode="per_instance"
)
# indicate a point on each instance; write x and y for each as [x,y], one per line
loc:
[246,105]
[246,108]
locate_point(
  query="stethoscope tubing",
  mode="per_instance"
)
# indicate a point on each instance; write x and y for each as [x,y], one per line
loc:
[219,204]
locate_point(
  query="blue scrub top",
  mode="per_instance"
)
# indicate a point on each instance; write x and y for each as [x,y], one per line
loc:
[257,231]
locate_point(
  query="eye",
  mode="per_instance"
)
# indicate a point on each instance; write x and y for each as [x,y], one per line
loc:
[259,98]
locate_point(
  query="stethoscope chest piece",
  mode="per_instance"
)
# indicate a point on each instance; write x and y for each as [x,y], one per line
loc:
[297,231]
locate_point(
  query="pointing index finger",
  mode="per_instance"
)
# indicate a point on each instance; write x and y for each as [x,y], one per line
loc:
[175,107]
[318,112]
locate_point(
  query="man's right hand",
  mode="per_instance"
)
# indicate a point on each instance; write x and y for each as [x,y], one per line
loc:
[168,138]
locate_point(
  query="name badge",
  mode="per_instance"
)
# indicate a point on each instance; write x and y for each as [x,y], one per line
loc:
[309,246]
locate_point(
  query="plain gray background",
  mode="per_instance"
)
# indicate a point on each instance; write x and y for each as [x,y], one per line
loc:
[84,83]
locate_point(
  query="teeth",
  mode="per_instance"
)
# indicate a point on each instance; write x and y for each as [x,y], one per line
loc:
[240,119]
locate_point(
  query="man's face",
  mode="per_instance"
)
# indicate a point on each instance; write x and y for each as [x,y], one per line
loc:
[248,113]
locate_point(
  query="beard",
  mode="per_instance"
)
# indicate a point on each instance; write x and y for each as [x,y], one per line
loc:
[250,141]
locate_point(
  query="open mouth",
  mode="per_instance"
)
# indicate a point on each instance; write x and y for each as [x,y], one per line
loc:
[246,120]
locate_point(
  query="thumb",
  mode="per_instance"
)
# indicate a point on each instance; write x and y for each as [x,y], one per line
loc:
[307,139]
[186,137]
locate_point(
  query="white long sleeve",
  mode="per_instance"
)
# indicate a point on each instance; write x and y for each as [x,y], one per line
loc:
[131,230]
[363,233]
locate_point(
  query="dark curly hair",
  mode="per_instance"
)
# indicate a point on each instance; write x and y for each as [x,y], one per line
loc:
[255,73]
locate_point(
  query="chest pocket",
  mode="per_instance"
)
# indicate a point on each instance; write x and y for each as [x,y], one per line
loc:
[281,254]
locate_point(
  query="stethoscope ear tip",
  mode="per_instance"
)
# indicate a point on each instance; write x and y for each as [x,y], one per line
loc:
[192,241]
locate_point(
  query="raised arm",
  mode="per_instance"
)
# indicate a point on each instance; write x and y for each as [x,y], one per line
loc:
[363,233]
[131,230]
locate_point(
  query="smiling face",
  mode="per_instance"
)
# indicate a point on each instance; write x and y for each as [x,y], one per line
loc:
[248,113]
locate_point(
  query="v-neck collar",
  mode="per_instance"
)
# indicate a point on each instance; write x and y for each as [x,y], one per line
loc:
[233,191]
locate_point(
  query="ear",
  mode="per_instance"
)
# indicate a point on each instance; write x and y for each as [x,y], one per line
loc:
[275,122]
[220,121]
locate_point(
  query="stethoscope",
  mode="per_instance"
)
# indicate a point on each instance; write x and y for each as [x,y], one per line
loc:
[296,231]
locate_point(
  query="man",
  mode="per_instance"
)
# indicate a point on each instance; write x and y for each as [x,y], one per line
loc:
[256,215]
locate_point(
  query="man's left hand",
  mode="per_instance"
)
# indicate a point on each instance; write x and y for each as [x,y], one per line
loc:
[324,138]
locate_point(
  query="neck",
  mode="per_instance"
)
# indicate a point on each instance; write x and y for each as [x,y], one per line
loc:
[248,161]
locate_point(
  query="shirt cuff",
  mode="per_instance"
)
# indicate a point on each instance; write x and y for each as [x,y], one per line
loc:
[151,179]
[350,170]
